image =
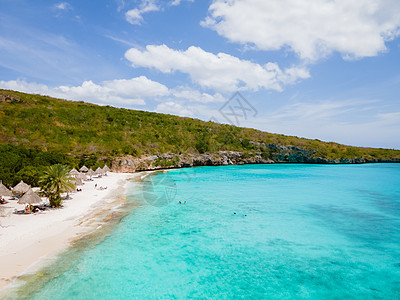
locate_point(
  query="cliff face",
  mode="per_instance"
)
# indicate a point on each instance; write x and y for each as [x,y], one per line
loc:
[276,154]
[154,162]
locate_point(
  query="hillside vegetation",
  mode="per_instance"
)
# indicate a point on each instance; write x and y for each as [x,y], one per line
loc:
[60,131]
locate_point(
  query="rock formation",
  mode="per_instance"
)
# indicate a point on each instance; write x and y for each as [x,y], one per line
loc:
[273,154]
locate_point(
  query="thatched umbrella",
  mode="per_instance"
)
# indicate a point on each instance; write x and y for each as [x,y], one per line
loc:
[81,176]
[78,181]
[30,197]
[84,169]
[105,170]
[74,172]
[99,171]
[21,188]
[90,173]
[4,191]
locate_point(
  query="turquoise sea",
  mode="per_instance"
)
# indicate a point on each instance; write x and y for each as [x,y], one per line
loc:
[279,231]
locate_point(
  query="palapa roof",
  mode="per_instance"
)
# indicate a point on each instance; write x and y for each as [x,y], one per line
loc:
[30,197]
[78,181]
[21,188]
[81,176]
[106,169]
[4,191]
[90,172]
[98,171]
[84,169]
[74,172]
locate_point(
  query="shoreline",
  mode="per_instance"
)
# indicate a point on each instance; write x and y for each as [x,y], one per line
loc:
[225,158]
[30,242]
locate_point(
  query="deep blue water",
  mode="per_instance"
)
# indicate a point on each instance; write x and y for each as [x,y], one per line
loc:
[283,231]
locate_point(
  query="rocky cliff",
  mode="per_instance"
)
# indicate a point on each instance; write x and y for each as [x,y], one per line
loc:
[274,154]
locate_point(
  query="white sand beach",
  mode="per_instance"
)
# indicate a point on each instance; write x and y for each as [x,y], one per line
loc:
[28,241]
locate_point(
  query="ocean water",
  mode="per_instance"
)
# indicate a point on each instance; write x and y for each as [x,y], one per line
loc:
[283,231]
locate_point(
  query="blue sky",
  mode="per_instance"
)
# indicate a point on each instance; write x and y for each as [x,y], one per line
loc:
[319,69]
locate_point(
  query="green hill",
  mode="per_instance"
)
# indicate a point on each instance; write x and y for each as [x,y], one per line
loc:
[41,130]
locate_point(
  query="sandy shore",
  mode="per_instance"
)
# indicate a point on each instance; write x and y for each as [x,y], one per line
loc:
[27,241]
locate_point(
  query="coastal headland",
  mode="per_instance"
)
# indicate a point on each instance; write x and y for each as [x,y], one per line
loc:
[282,154]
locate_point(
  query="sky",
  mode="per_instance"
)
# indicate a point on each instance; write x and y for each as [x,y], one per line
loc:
[320,69]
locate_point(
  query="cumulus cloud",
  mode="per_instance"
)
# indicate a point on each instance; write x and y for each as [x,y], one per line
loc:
[134,16]
[192,95]
[221,72]
[125,92]
[186,109]
[174,108]
[23,86]
[121,92]
[312,28]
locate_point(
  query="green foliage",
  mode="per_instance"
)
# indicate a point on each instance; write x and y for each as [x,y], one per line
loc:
[18,163]
[40,131]
[54,181]
[202,146]
[246,144]
[56,201]
[266,154]
[163,162]
[30,175]
[88,161]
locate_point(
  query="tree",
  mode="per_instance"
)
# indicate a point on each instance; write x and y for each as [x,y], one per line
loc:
[203,143]
[56,180]
[29,175]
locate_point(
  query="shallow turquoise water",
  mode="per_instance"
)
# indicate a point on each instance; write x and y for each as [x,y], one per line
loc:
[255,232]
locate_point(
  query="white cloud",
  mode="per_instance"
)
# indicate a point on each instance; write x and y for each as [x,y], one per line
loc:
[122,92]
[185,109]
[312,28]
[192,95]
[100,94]
[141,86]
[125,92]
[174,108]
[134,16]
[23,86]
[120,40]
[178,2]
[221,72]
[120,4]
[63,6]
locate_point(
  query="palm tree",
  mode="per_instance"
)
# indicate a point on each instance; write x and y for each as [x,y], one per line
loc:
[56,180]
